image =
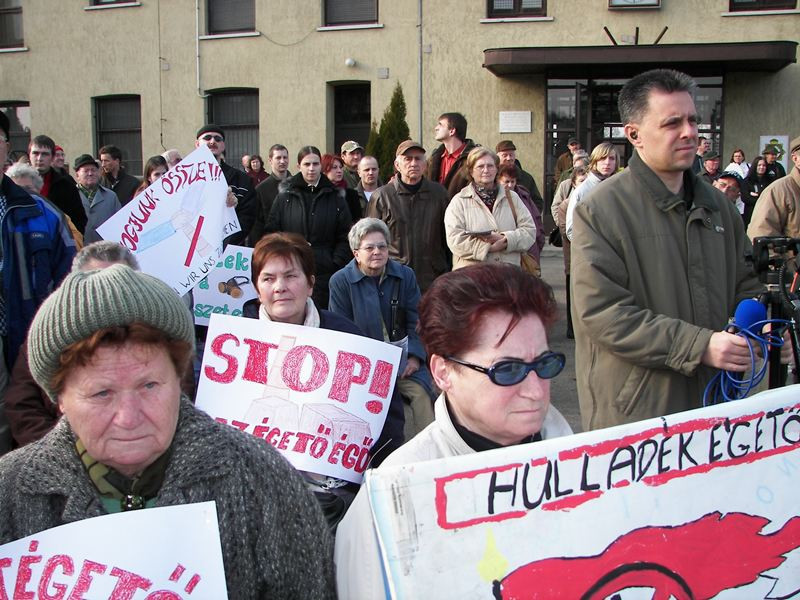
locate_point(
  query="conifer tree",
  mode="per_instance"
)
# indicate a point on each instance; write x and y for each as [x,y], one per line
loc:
[392,131]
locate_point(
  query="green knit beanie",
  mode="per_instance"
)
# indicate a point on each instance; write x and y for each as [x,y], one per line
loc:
[88,301]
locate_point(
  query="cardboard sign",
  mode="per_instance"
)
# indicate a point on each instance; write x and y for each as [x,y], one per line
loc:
[176,226]
[701,504]
[319,396]
[169,552]
[225,290]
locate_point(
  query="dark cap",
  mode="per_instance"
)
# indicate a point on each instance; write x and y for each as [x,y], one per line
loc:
[505,146]
[711,155]
[794,145]
[4,124]
[730,175]
[406,146]
[351,146]
[770,149]
[210,128]
[571,141]
[84,159]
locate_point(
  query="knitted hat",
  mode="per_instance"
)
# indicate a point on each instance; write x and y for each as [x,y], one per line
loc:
[88,301]
[210,128]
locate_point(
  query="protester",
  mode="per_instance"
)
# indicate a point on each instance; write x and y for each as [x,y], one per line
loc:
[756,182]
[603,163]
[257,173]
[484,329]
[172,156]
[114,372]
[283,276]
[738,164]
[154,169]
[485,221]
[333,168]
[99,202]
[310,205]
[381,297]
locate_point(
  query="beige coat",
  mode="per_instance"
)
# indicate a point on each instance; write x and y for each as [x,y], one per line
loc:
[777,211]
[467,214]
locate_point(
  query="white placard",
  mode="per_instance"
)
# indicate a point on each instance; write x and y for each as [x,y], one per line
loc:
[319,396]
[167,552]
[175,227]
[226,288]
[515,121]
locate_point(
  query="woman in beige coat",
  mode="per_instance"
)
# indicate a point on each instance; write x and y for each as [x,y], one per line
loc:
[480,223]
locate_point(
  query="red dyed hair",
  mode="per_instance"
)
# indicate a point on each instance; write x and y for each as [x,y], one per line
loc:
[328,160]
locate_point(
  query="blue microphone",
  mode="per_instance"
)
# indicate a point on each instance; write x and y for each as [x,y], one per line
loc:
[748,313]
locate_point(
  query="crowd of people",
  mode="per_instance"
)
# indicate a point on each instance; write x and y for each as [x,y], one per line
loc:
[97,371]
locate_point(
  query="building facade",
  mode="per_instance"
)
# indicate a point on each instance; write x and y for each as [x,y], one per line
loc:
[146,74]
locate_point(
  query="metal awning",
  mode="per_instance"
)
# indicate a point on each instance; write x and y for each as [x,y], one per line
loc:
[699,60]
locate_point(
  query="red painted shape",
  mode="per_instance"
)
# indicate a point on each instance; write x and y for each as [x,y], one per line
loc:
[375,407]
[195,237]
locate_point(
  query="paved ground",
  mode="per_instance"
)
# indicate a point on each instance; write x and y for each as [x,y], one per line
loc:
[563,392]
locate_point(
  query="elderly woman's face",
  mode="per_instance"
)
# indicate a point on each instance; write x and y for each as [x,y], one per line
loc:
[123,405]
[504,414]
[484,171]
[373,253]
[283,289]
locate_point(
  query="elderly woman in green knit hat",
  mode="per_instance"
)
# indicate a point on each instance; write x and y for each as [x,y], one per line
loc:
[109,347]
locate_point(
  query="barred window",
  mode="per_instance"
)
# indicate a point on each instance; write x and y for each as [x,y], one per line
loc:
[118,122]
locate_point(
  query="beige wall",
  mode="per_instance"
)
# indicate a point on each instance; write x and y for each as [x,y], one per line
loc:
[75,54]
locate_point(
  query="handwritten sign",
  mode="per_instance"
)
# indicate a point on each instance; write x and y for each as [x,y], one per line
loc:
[176,226]
[123,556]
[226,289]
[701,504]
[319,396]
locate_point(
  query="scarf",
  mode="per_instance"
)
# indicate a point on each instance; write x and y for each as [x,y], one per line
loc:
[311,318]
[487,195]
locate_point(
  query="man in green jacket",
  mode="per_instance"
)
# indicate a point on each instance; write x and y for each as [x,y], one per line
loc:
[658,267]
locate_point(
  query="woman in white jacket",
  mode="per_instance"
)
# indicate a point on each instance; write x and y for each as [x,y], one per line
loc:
[480,223]
[603,163]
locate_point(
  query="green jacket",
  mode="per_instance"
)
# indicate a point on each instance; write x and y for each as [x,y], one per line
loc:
[650,283]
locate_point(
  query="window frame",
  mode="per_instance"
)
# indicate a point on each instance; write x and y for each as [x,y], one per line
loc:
[131,157]
[232,153]
[735,6]
[327,23]
[13,10]
[211,28]
[516,11]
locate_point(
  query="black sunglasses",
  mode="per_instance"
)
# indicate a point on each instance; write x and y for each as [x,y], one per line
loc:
[512,372]
[216,138]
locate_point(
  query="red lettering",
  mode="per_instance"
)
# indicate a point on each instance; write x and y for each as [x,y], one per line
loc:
[67,568]
[294,362]
[129,238]
[229,373]
[163,595]
[284,443]
[241,426]
[344,376]
[24,574]
[127,585]
[272,435]
[256,368]
[302,441]
[350,456]
[381,379]
[4,563]
[166,183]
[84,581]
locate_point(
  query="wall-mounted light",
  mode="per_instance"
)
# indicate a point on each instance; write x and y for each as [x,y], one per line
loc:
[350,62]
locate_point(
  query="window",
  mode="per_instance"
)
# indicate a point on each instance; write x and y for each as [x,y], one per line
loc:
[19,116]
[118,121]
[230,16]
[236,111]
[351,113]
[11,24]
[350,12]
[517,8]
[741,5]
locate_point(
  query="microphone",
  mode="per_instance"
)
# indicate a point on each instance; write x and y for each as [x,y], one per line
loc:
[748,313]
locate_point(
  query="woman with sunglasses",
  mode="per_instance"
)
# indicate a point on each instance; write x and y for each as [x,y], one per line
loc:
[484,328]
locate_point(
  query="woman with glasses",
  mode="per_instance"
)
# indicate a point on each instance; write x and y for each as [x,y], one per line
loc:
[486,221]
[381,297]
[485,331]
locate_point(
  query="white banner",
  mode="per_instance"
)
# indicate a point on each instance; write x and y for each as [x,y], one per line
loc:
[225,290]
[176,226]
[701,504]
[170,552]
[319,396]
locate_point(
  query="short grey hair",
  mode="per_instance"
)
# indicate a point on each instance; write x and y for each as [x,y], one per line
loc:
[19,169]
[634,98]
[364,227]
[104,251]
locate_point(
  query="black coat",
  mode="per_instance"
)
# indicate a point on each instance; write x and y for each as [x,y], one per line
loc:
[242,187]
[64,194]
[322,218]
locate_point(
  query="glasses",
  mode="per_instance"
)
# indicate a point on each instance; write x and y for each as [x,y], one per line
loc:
[216,138]
[372,248]
[512,372]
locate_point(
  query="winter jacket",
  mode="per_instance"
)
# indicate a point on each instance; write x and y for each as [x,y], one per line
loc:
[356,296]
[266,192]
[456,177]
[64,195]
[359,568]
[576,196]
[467,214]
[777,211]
[124,186]
[322,218]
[245,193]
[37,254]
[536,250]
[651,282]
[102,207]
[527,181]
[274,540]
[416,222]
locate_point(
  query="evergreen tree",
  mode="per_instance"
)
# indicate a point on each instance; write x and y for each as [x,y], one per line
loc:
[392,131]
[374,146]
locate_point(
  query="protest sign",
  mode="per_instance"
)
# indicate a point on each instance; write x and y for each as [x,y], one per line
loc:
[319,396]
[176,226]
[226,288]
[162,553]
[701,504]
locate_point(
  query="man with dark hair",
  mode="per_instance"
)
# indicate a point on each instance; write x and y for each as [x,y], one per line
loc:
[267,190]
[658,266]
[445,163]
[564,161]
[114,176]
[239,184]
[703,146]
[413,208]
[507,153]
[59,189]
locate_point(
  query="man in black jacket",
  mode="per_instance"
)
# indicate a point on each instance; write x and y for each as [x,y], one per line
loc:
[445,162]
[267,190]
[114,176]
[60,189]
[239,183]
